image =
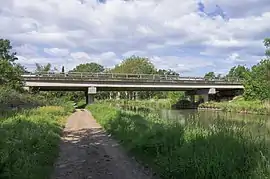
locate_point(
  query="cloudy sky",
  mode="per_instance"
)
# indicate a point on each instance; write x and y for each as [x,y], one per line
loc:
[188,36]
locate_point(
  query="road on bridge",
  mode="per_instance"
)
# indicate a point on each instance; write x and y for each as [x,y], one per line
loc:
[87,152]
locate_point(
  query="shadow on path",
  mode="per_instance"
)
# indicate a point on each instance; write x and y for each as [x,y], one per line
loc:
[86,151]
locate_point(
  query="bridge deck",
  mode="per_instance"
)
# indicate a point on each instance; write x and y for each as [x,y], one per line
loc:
[126,82]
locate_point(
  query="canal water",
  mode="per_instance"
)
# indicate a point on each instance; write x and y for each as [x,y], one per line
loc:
[256,124]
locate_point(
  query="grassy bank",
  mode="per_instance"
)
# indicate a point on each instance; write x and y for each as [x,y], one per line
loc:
[152,103]
[188,150]
[239,105]
[29,142]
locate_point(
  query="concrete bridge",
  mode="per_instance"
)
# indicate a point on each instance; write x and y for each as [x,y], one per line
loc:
[93,82]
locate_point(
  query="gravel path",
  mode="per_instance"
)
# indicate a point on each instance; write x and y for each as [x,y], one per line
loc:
[87,152]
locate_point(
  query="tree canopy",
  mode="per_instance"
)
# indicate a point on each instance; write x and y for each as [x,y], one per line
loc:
[44,68]
[267,45]
[257,82]
[136,65]
[238,72]
[257,78]
[210,75]
[89,67]
[10,72]
[167,72]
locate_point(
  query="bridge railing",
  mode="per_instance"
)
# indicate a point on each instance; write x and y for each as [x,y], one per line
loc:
[120,77]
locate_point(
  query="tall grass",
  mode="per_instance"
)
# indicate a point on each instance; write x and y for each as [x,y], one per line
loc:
[255,107]
[153,103]
[29,142]
[174,149]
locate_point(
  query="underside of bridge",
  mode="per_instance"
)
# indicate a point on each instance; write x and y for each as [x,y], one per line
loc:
[207,94]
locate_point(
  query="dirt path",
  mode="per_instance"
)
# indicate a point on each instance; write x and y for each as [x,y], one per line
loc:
[87,152]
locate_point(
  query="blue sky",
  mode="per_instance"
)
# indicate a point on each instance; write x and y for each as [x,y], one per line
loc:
[190,37]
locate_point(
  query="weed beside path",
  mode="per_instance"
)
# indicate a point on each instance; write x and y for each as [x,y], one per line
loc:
[29,142]
[175,150]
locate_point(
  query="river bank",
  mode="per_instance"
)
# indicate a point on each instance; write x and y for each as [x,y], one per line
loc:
[152,103]
[240,106]
[29,141]
[188,148]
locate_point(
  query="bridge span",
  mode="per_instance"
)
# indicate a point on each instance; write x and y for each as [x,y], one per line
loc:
[93,82]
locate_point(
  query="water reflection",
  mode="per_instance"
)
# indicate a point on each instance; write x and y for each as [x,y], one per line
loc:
[258,124]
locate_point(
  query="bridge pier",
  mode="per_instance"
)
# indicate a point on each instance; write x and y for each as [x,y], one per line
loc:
[205,98]
[90,95]
[192,98]
[90,98]
[118,96]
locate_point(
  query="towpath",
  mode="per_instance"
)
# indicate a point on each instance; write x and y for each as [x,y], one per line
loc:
[87,152]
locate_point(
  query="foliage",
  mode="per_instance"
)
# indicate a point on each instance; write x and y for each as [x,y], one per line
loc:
[257,82]
[189,150]
[10,72]
[166,72]
[29,142]
[267,45]
[89,67]
[239,105]
[135,65]
[45,68]
[175,96]
[238,72]
[210,75]
[153,103]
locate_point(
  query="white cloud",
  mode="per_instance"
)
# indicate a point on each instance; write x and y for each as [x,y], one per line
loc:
[56,52]
[170,31]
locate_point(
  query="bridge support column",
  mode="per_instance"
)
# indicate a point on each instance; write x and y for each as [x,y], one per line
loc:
[118,95]
[192,98]
[126,95]
[90,98]
[205,98]
[90,95]
[111,95]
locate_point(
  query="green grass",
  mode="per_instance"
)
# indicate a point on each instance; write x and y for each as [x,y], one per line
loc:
[152,103]
[225,149]
[29,142]
[239,105]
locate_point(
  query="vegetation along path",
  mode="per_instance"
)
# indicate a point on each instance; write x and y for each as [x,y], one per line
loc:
[86,151]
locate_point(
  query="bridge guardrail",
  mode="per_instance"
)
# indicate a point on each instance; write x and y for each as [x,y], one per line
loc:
[126,77]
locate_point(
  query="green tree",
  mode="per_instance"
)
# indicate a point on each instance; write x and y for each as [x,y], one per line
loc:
[45,68]
[238,72]
[267,45]
[166,72]
[257,82]
[135,65]
[209,75]
[89,67]
[175,96]
[10,72]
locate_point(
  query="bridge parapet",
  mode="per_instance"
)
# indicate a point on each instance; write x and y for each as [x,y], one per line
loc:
[125,77]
